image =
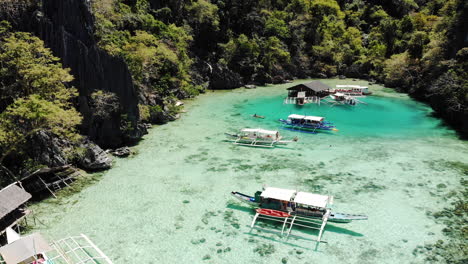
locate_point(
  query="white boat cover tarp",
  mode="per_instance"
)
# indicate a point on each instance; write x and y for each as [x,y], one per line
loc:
[24,248]
[259,130]
[277,193]
[313,118]
[352,86]
[294,116]
[310,118]
[312,199]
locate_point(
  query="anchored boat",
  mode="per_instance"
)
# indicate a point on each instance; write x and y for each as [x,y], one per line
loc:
[257,137]
[292,207]
[341,98]
[353,90]
[309,123]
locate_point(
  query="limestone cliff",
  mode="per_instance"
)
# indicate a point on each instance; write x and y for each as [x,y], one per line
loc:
[67,27]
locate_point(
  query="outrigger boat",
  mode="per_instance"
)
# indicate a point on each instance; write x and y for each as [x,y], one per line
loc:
[257,137]
[352,90]
[292,207]
[309,123]
[341,98]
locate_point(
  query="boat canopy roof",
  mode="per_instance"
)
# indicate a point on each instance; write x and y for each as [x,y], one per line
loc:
[294,116]
[352,86]
[278,193]
[305,198]
[310,118]
[259,131]
[339,94]
[24,248]
[312,199]
[314,118]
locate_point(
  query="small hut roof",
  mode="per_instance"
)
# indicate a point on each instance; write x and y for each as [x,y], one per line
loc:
[12,197]
[316,86]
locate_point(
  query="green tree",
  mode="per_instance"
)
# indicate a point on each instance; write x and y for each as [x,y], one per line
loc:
[274,53]
[34,93]
[418,41]
[27,67]
[27,116]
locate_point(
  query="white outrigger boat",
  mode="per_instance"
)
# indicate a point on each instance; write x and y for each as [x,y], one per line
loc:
[308,123]
[341,98]
[257,137]
[352,90]
[293,207]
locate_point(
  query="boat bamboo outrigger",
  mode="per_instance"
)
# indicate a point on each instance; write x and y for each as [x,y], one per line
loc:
[257,137]
[309,123]
[292,207]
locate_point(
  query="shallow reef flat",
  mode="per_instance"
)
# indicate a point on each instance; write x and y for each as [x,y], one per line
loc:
[171,203]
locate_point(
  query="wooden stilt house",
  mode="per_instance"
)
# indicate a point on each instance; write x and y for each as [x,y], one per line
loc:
[49,179]
[305,93]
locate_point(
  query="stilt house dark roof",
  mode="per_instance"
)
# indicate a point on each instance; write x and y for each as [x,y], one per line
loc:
[12,197]
[316,86]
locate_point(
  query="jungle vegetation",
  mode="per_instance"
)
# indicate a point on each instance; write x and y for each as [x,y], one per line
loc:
[416,46]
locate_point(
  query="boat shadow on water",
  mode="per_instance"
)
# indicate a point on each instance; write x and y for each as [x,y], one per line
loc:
[278,146]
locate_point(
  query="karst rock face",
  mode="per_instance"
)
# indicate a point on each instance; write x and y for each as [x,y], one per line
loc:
[67,28]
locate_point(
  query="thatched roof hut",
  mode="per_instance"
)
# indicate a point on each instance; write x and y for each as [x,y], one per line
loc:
[11,198]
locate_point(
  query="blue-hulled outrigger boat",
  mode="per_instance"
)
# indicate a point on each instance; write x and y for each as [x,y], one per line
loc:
[308,123]
[292,207]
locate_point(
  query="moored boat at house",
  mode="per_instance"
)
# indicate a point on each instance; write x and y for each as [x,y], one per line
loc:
[352,90]
[309,123]
[341,98]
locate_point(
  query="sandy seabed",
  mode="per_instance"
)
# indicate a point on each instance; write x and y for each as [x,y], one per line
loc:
[171,202]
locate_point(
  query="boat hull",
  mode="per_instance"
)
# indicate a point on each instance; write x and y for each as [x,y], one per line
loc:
[334,217]
[255,142]
[307,127]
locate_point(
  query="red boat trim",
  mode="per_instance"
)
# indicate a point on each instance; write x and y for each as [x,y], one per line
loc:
[271,212]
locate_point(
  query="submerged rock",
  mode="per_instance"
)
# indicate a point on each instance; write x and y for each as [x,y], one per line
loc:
[122,152]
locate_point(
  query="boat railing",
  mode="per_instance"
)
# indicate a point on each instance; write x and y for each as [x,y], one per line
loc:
[293,220]
[77,250]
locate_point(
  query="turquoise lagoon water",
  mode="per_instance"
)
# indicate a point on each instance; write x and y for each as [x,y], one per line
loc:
[171,202]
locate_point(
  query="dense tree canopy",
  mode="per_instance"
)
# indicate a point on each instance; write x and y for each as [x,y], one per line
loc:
[34,95]
[402,43]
